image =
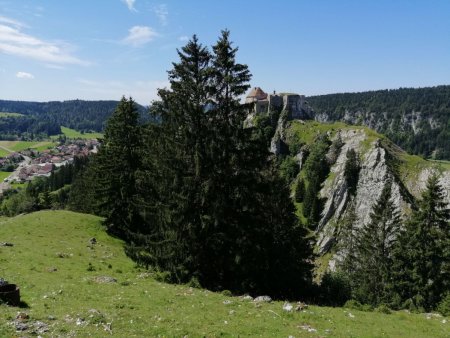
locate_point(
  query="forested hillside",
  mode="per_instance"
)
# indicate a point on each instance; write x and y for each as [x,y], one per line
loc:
[417,119]
[45,118]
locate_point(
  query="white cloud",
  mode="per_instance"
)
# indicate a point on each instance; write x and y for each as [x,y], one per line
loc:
[24,75]
[162,13]
[14,42]
[183,38]
[130,4]
[11,22]
[139,35]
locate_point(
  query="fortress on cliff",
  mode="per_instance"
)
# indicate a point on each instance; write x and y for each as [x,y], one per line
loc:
[295,104]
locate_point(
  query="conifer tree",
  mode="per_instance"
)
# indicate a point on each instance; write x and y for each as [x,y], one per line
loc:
[424,252]
[347,240]
[376,241]
[316,169]
[351,170]
[217,207]
[299,190]
[115,167]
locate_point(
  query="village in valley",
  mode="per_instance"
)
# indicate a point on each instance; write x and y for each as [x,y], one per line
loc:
[24,165]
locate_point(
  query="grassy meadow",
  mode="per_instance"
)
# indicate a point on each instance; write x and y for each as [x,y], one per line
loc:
[6,114]
[11,146]
[66,283]
[3,175]
[74,134]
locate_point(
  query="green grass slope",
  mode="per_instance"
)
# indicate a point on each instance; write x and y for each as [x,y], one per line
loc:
[10,146]
[74,134]
[60,275]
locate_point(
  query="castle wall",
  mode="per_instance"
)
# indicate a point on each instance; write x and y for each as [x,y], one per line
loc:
[294,104]
[275,101]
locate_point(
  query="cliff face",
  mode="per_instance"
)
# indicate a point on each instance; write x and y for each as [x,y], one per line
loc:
[380,160]
[414,121]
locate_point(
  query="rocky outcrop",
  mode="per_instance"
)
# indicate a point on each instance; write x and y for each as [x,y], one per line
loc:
[379,164]
[375,172]
[276,144]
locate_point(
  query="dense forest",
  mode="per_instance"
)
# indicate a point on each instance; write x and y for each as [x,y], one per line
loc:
[42,119]
[417,119]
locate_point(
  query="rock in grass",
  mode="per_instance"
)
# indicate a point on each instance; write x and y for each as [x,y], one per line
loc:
[22,317]
[301,306]
[246,297]
[21,326]
[287,307]
[307,327]
[262,299]
[105,279]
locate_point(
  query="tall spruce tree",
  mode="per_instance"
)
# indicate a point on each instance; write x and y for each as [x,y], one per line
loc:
[376,241]
[423,256]
[224,217]
[351,171]
[115,168]
[347,240]
[316,169]
[174,167]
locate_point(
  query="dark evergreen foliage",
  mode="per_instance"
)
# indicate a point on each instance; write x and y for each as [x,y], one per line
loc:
[299,190]
[347,239]
[351,170]
[116,165]
[216,210]
[316,170]
[423,254]
[372,278]
[289,168]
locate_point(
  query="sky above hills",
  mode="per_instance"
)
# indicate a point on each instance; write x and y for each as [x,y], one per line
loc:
[103,49]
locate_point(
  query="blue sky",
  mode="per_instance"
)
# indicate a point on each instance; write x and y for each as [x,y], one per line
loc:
[103,49]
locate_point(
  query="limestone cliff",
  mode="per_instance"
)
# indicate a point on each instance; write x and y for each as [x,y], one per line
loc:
[380,161]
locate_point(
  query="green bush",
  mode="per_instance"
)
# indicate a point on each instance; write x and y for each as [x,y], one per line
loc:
[227,293]
[355,305]
[383,308]
[289,168]
[444,305]
[194,283]
[163,276]
[335,289]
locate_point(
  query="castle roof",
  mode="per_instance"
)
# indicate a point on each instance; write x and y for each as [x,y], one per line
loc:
[257,94]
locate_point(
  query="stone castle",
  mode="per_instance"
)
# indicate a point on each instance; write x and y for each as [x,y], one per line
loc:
[295,104]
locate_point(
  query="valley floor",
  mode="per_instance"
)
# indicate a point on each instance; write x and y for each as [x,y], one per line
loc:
[71,286]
